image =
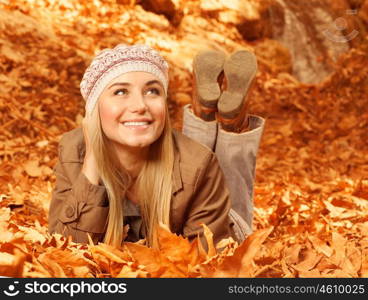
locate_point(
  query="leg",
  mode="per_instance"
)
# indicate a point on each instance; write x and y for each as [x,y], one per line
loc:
[235,139]
[237,154]
[199,130]
[241,228]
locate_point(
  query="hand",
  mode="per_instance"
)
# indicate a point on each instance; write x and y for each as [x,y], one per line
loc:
[89,168]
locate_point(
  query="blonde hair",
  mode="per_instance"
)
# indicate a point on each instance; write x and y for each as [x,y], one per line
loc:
[154,182]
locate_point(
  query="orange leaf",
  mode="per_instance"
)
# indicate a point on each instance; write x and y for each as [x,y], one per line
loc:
[320,245]
[152,261]
[310,261]
[179,250]
[209,238]
[241,263]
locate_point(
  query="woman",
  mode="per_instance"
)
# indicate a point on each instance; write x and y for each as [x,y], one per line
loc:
[126,165]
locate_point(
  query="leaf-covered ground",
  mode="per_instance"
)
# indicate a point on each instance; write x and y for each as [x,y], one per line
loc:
[311,191]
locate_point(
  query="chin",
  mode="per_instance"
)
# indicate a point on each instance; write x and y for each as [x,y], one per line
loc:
[132,140]
[139,142]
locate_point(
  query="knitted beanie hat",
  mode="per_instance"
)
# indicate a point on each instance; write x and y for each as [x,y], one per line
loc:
[111,63]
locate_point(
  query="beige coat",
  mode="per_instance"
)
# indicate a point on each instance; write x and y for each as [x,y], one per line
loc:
[199,193]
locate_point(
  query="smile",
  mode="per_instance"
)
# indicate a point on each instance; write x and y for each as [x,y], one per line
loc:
[136,125]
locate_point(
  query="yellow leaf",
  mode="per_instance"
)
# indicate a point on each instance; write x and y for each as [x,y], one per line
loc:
[32,168]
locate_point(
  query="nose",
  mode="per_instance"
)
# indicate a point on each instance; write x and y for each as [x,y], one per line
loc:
[138,103]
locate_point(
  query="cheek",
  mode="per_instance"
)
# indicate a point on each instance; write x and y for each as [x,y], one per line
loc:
[108,112]
[160,113]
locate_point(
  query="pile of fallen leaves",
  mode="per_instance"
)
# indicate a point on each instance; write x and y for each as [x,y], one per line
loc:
[32,252]
[311,191]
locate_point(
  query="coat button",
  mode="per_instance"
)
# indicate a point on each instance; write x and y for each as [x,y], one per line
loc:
[69,211]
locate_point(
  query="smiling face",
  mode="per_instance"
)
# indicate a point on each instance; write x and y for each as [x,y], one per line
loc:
[133,110]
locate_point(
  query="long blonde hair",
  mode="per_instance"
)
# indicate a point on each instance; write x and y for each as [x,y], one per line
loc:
[154,182]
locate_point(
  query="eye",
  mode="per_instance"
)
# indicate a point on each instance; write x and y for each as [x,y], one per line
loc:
[154,90]
[120,92]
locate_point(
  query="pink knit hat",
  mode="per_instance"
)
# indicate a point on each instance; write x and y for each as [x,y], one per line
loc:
[111,63]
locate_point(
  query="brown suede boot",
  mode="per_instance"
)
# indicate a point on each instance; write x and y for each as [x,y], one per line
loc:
[239,70]
[206,81]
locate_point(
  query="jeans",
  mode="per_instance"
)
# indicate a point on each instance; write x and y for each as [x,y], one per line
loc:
[236,153]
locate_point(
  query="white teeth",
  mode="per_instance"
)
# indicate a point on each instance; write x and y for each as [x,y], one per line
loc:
[135,123]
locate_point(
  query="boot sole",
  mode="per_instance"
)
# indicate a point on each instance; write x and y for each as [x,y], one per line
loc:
[240,70]
[207,67]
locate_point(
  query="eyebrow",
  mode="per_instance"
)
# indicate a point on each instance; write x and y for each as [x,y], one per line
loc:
[127,83]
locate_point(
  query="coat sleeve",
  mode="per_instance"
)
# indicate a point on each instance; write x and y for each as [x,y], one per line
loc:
[77,206]
[210,204]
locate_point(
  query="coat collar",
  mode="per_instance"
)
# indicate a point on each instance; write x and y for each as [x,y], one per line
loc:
[177,179]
